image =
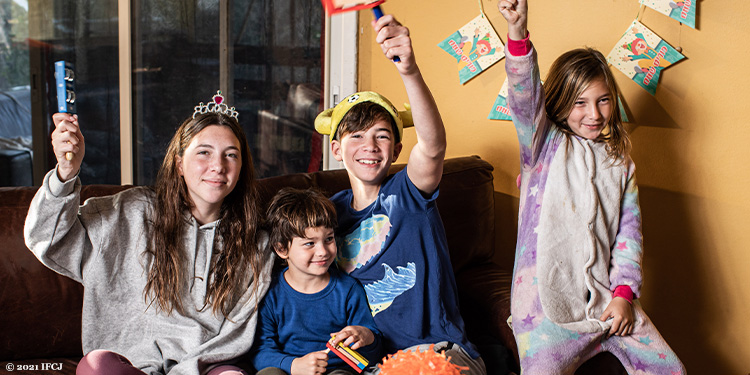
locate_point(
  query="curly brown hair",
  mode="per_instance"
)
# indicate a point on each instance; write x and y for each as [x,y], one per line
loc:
[292,211]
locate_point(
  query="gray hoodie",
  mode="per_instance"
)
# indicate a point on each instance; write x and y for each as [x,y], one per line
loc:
[102,244]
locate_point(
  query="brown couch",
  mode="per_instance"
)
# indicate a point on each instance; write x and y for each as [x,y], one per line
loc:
[40,311]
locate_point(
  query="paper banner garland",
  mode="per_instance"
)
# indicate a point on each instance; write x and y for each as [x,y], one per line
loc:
[623,113]
[475,46]
[680,10]
[500,110]
[642,55]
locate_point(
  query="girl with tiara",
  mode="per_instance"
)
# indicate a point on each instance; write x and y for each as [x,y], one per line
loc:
[173,274]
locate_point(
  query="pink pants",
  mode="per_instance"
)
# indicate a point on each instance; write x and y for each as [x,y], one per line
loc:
[104,362]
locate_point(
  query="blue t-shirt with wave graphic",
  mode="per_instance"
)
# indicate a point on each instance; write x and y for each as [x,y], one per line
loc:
[397,249]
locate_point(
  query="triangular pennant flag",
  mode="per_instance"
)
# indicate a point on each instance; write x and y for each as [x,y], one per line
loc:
[680,10]
[500,110]
[475,47]
[623,113]
[642,55]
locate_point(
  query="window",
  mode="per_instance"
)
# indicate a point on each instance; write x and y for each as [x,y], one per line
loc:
[265,55]
[15,99]
[273,80]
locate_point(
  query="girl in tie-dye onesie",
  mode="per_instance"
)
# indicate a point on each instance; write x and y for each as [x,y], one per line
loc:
[578,256]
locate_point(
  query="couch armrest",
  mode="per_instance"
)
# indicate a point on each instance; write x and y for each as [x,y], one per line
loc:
[484,292]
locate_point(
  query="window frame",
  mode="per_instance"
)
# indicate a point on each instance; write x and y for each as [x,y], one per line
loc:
[339,79]
[340,68]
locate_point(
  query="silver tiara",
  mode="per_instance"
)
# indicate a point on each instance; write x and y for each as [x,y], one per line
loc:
[217,106]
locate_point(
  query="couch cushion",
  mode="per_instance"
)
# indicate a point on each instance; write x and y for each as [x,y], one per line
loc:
[42,310]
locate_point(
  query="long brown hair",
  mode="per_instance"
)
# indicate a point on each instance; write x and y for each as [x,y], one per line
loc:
[239,259]
[570,75]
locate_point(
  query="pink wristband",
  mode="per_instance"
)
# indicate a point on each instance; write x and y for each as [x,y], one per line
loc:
[519,47]
[624,291]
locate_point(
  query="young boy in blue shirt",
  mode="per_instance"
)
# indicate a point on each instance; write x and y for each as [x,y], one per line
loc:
[390,235]
[308,301]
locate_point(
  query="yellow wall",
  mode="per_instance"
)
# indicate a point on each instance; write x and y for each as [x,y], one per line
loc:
[691,146]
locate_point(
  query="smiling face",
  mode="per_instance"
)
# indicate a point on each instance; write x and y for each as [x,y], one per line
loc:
[367,154]
[211,166]
[591,111]
[308,258]
[483,48]
[640,46]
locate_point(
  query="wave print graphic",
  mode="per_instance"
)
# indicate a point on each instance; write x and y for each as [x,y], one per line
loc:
[381,294]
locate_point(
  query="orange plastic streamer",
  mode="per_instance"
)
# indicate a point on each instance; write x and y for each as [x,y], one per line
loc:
[419,363]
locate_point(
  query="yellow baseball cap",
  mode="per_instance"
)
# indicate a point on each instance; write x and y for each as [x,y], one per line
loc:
[328,121]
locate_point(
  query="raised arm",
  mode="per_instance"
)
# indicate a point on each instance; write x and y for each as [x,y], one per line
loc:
[53,230]
[425,165]
[525,94]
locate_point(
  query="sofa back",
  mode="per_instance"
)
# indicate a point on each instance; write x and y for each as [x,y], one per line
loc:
[40,311]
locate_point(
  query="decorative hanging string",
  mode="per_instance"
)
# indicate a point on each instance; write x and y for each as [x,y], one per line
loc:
[641,9]
[637,18]
[481,9]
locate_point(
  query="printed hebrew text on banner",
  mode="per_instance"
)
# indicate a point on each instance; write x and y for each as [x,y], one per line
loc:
[475,47]
[642,56]
[680,10]
[500,110]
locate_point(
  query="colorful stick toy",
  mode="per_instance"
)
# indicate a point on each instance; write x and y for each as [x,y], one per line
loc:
[338,6]
[348,355]
[66,91]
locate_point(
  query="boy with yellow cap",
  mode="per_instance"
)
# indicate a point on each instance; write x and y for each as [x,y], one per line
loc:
[390,235]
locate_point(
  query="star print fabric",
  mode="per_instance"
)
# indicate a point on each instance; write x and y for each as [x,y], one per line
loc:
[579,237]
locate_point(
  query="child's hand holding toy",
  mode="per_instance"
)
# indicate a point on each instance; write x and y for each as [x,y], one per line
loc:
[395,42]
[354,337]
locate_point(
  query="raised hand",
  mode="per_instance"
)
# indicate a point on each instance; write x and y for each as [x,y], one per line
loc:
[515,12]
[394,40]
[67,138]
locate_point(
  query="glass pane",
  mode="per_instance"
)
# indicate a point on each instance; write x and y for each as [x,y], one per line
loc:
[15,96]
[278,68]
[274,70]
[176,66]
[84,33]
